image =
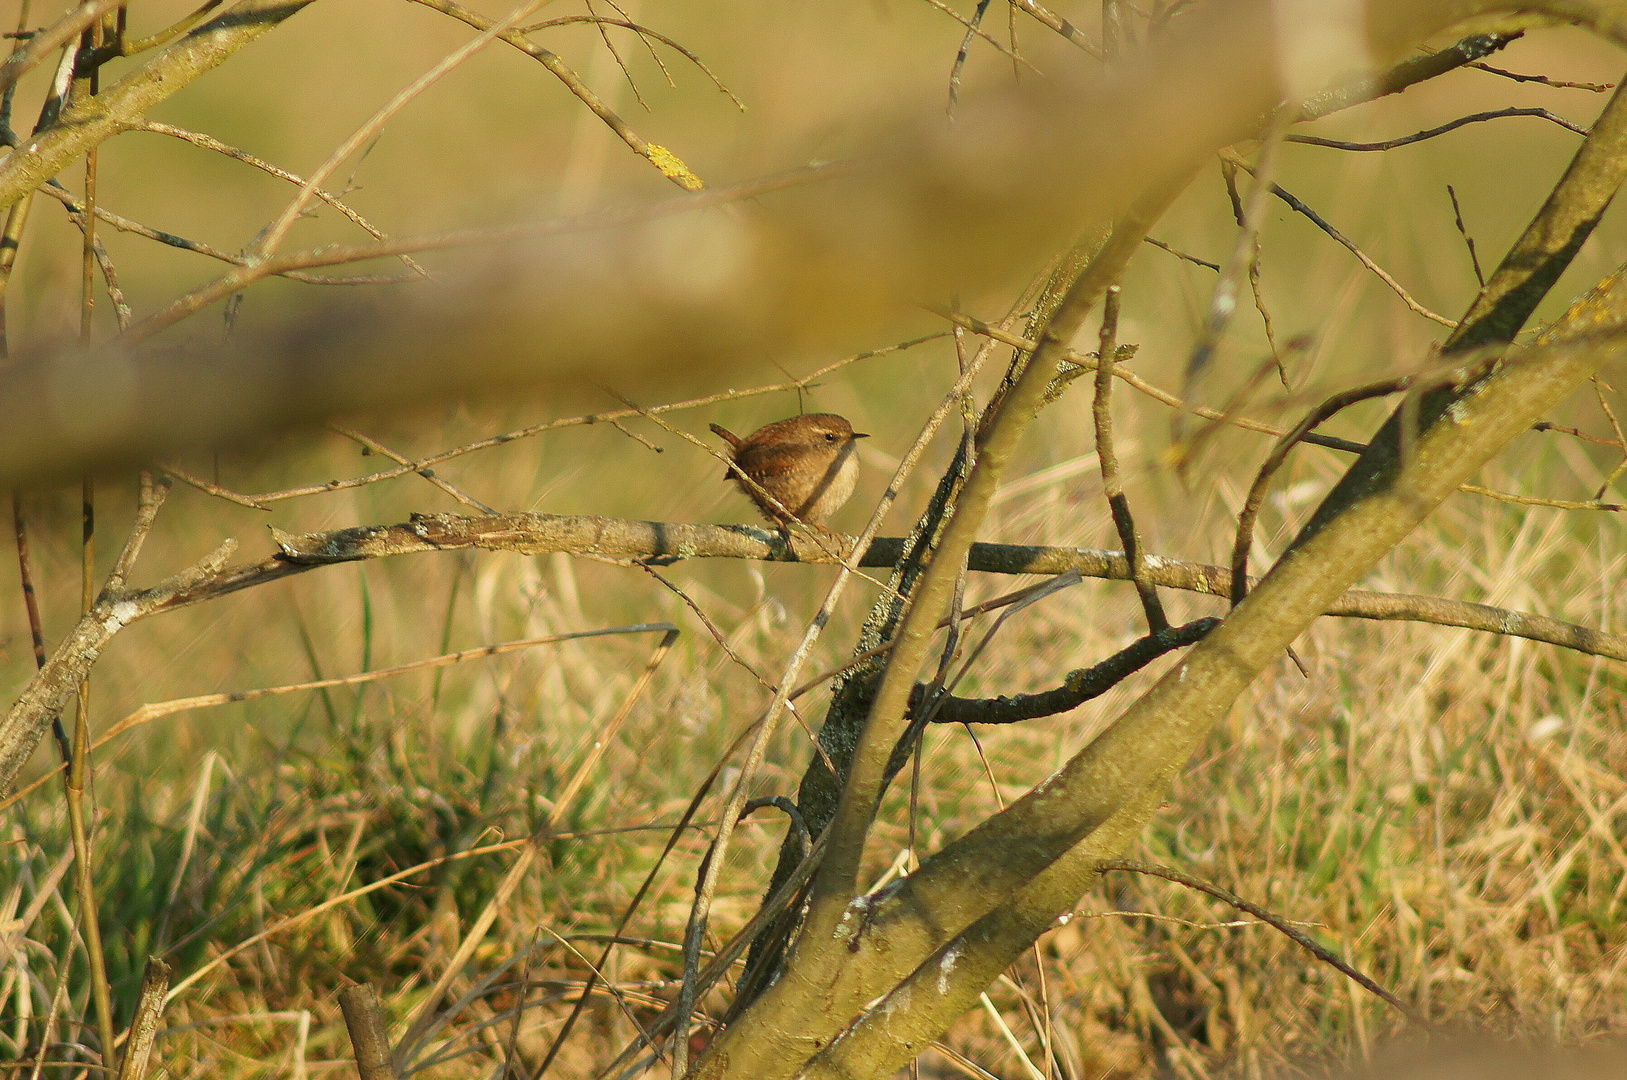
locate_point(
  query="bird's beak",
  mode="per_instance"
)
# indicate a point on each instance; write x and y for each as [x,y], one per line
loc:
[861,434]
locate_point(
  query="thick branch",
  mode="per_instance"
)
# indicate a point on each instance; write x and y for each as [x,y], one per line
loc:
[981,900]
[976,904]
[618,538]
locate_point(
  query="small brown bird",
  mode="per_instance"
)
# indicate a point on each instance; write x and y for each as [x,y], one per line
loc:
[807,465]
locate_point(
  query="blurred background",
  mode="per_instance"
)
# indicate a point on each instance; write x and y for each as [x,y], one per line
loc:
[1444,807]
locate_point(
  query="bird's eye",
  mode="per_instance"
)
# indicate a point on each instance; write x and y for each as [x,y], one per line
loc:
[830,436]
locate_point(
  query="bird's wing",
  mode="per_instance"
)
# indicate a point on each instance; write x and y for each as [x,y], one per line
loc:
[765,465]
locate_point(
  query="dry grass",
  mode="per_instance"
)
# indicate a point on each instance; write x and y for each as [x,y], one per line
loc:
[1442,807]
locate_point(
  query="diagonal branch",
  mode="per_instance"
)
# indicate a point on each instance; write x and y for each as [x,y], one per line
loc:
[977,904]
[973,907]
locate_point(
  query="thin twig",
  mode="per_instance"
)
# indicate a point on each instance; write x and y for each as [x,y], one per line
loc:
[1599,388]
[1597,88]
[972,28]
[1463,231]
[208,142]
[1112,485]
[607,416]
[1223,302]
[1561,429]
[103,260]
[1537,500]
[626,72]
[213,489]
[150,498]
[85,85]
[1070,33]
[36,627]
[1279,454]
[1181,254]
[1230,173]
[642,31]
[1090,363]
[123,224]
[1277,922]
[665,161]
[973,25]
[428,474]
[1349,245]
[1079,686]
[1453,125]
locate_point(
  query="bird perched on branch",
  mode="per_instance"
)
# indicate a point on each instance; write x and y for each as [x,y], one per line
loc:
[797,470]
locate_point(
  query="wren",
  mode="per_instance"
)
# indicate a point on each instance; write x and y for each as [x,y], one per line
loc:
[801,469]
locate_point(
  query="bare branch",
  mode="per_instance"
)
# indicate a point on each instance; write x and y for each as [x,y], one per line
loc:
[428,474]
[1349,245]
[1112,486]
[124,224]
[1078,686]
[1181,254]
[1407,73]
[1279,454]
[645,32]
[208,142]
[1597,88]
[1277,922]
[1453,125]
[1070,33]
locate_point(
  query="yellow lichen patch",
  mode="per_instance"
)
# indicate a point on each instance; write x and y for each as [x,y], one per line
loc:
[673,167]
